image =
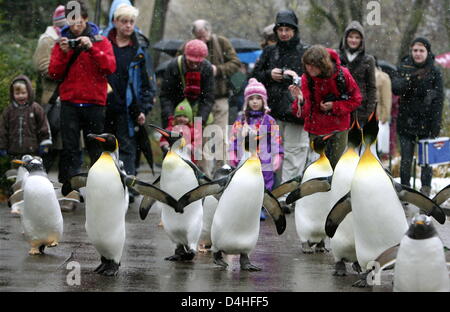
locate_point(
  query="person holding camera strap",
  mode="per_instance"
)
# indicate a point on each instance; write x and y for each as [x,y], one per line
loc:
[84,89]
[326,99]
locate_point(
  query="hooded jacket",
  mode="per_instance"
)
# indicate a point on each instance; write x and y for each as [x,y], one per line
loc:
[24,128]
[86,80]
[338,119]
[283,55]
[362,69]
[420,88]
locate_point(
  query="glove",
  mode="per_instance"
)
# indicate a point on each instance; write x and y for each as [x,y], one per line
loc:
[44,149]
[3,153]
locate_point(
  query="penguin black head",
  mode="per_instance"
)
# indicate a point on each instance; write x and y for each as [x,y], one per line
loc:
[319,143]
[171,136]
[107,141]
[421,228]
[222,172]
[354,135]
[34,165]
[24,160]
[370,130]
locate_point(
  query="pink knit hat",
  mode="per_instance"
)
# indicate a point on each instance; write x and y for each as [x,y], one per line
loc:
[255,87]
[59,16]
[196,50]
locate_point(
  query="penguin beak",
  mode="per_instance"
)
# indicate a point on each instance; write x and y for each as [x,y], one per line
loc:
[420,222]
[17,161]
[96,137]
[100,139]
[163,132]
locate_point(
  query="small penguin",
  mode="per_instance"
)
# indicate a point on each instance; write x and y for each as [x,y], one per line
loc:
[420,261]
[235,226]
[311,211]
[107,202]
[41,216]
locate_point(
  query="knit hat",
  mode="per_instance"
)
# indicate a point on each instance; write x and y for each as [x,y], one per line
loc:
[59,17]
[184,109]
[423,41]
[255,87]
[286,18]
[196,50]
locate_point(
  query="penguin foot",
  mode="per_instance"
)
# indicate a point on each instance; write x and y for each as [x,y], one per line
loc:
[306,248]
[174,258]
[111,268]
[35,251]
[188,256]
[53,244]
[101,267]
[356,267]
[320,247]
[218,259]
[203,248]
[41,249]
[340,269]
[246,265]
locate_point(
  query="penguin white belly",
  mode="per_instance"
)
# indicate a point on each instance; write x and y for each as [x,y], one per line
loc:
[235,227]
[311,211]
[41,216]
[106,206]
[209,208]
[178,178]
[378,217]
[343,242]
[421,266]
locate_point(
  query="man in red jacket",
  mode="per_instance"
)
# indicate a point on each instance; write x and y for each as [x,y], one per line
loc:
[82,59]
[327,97]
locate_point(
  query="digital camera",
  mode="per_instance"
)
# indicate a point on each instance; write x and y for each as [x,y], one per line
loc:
[73,43]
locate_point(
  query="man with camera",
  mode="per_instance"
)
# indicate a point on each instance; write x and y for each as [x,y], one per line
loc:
[81,61]
[276,68]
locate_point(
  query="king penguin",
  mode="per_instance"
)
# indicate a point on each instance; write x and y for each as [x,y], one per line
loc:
[235,225]
[420,264]
[343,242]
[41,216]
[178,176]
[311,211]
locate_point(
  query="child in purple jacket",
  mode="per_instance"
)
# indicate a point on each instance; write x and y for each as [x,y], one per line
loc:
[255,118]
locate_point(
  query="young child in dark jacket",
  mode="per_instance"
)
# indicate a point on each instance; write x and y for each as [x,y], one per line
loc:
[24,128]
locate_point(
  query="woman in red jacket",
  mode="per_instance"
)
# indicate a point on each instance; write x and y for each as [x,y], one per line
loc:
[327,96]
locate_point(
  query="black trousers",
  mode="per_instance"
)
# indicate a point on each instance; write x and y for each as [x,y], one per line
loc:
[407,146]
[90,119]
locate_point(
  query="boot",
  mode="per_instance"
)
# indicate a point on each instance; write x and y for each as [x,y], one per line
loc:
[425,190]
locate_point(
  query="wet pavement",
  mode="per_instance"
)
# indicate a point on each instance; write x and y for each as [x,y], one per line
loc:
[143,268]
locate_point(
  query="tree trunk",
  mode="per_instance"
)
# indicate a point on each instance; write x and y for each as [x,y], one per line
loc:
[157,27]
[417,12]
[356,10]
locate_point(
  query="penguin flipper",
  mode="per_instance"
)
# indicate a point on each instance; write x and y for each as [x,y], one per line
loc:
[201,177]
[16,197]
[338,214]
[442,196]
[74,183]
[388,257]
[287,187]
[426,205]
[322,184]
[11,174]
[210,188]
[146,203]
[273,207]
[150,190]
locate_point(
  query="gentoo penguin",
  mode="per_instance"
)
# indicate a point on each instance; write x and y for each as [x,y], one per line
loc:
[106,203]
[16,199]
[235,226]
[420,264]
[311,211]
[378,217]
[178,176]
[343,242]
[41,216]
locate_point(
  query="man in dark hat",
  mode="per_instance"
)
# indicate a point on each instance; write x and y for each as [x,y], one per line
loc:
[275,68]
[419,84]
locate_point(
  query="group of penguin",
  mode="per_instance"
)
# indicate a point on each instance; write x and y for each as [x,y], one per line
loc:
[358,205]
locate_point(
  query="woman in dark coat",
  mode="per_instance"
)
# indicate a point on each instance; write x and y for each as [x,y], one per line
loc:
[419,84]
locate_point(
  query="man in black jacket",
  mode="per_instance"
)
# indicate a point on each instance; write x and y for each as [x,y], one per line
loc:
[275,68]
[419,85]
